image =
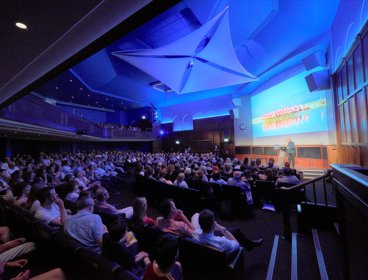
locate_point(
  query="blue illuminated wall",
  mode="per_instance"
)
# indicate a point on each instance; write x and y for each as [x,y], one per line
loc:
[350,18]
[182,115]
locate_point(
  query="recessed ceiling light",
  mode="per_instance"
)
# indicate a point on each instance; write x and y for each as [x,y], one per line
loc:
[89,95]
[72,96]
[56,87]
[21,25]
[96,102]
[70,80]
[81,88]
[107,99]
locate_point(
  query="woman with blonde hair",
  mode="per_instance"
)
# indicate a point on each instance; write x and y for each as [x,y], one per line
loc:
[140,212]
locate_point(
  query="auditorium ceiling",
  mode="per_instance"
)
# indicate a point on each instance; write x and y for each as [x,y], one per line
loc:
[267,37]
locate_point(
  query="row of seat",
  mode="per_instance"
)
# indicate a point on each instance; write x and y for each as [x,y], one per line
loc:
[54,247]
[198,261]
[200,195]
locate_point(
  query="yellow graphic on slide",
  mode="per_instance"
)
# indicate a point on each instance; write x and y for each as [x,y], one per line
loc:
[288,116]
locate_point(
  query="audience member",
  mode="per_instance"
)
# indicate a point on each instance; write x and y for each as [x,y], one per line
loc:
[173,220]
[86,227]
[165,265]
[140,212]
[225,239]
[51,209]
[101,205]
[121,246]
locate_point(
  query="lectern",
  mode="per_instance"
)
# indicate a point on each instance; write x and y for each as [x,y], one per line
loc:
[282,155]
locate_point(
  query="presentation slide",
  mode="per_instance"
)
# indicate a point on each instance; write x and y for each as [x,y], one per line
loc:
[288,108]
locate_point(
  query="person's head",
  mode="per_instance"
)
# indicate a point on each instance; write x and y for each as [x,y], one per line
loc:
[85,193]
[288,172]
[287,165]
[258,161]
[140,209]
[271,162]
[168,208]
[288,139]
[47,195]
[180,177]
[117,230]
[216,175]
[206,220]
[237,175]
[102,194]
[187,172]
[21,189]
[85,203]
[246,161]
[166,252]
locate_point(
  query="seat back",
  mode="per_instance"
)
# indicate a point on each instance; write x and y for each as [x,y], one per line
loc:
[98,267]
[206,262]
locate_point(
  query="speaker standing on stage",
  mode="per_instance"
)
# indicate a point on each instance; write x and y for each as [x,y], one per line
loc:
[291,151]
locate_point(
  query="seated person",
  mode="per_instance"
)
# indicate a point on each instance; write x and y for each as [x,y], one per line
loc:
[86,227]
[165,265]
[54,274]
[225,238]
[288,178]
[173,220]
[216,178]
[21,191]
[140,212]
[271,164]
[71,191]
[51,209]
[180,181]
[10,249]
[237,180]
[101,205]
[120,246]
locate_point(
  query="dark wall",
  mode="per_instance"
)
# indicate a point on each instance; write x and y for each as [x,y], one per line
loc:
[205,135]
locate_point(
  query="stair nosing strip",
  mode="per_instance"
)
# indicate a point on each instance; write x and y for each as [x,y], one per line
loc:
[294,257]
[319,254]
[271,265]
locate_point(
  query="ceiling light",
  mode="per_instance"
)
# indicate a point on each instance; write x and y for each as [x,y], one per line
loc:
[107,99]
[21,25]
[88,95]
[70,80]
[72,96]
[56,87]
[81,88]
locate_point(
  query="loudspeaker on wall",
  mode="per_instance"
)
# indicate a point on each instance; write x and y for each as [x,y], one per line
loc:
[318,80]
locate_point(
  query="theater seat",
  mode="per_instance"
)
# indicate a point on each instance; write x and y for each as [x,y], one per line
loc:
[201,261]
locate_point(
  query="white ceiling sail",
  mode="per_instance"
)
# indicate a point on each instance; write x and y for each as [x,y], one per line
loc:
[204,59]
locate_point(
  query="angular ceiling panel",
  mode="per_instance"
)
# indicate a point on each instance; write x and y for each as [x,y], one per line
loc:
[181,66]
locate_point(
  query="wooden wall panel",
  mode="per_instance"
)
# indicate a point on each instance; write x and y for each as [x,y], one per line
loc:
[350,88]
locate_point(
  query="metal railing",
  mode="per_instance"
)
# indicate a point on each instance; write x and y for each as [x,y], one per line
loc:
[287,193]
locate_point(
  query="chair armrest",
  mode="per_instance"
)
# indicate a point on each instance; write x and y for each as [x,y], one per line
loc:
[238,255]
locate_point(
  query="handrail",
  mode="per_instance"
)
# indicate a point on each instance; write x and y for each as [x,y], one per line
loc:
[303,184]
[286,201]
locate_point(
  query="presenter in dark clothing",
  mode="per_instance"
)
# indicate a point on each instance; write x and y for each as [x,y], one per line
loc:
[291,152]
